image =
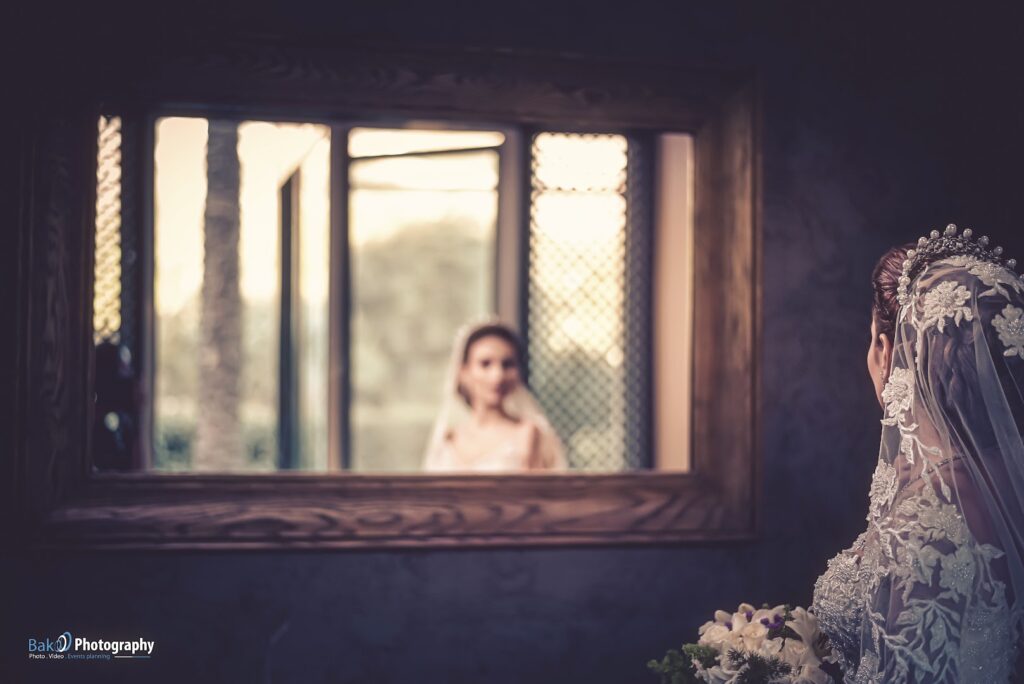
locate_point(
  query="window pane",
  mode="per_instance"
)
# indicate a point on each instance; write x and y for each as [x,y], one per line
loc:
[422,240]
[577,294]
[217,288]
[314,255]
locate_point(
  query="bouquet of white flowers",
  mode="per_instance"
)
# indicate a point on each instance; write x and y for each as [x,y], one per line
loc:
[779,645]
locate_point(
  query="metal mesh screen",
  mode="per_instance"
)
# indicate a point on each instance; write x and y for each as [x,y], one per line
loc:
[107,270]
[588,290]
[638,287]
[114,301]
[131,286]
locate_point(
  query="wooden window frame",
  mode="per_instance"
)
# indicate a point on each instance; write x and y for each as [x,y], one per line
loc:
[56,500]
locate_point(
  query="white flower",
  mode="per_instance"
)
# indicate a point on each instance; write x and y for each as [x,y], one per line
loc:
[995,276]
[805,624]
[907,448]
[771,648]
[958,570]
[769,617]
[897,395]
[883,489]
[753,635]
[747,631]
[946,300]
[797,654]
[715,635]
[1010,327]
[724,632]
[944,522]
[811,674]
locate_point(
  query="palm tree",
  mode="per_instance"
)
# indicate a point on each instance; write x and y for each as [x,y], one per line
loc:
[218,429]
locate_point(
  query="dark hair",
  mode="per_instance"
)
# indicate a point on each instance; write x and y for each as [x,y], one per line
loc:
[885,280]
[494,330]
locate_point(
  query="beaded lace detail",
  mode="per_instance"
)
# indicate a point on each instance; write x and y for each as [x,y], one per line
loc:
[1010,326]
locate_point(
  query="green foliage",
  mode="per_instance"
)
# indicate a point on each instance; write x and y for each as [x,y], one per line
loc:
[674,668]
[175,439]
[677,666]
[705,655]
[757,669]
[415,288]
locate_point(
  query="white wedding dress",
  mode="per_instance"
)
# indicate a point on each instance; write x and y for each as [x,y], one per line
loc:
[545,454]
[932,590]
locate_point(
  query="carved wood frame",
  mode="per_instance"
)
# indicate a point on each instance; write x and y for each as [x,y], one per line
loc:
[57,502]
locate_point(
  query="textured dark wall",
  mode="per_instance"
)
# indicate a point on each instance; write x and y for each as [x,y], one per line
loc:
[867,136]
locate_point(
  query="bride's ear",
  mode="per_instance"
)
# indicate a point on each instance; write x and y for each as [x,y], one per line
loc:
[884,345]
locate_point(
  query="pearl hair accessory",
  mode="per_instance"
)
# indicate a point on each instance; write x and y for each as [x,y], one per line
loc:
[942,246]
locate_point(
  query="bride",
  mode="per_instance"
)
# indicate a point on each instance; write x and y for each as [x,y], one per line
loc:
[933,589]
[489,421]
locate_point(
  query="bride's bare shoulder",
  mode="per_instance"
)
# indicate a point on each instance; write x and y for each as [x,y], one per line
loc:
[529,429]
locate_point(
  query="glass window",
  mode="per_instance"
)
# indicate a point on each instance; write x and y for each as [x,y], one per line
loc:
[422,230]
[217,291]
[245,289]
[577,288]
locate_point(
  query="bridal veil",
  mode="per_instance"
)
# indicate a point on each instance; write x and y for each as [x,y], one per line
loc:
[933,590]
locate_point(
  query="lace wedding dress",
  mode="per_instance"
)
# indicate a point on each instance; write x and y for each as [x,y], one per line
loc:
[932,590]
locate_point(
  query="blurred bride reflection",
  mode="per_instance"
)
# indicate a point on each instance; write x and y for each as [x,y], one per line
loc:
[489,421]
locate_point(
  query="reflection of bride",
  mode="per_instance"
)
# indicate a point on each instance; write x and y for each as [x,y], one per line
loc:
[933,590]
[489,420]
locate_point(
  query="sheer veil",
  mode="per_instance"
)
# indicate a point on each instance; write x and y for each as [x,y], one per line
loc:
[933,591]
[519,404]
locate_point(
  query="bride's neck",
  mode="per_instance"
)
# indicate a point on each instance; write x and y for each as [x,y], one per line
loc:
[484,416]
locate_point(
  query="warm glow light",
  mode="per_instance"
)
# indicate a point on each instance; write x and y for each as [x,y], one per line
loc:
[578,239]
[180,170]
[578,220]
[451,172]
[364,142]
[580,162]
[268,154]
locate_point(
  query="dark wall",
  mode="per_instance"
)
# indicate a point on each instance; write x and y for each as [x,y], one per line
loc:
[876,128]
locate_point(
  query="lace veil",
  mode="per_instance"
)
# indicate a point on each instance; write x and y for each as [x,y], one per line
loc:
[941,565]
[519,404]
